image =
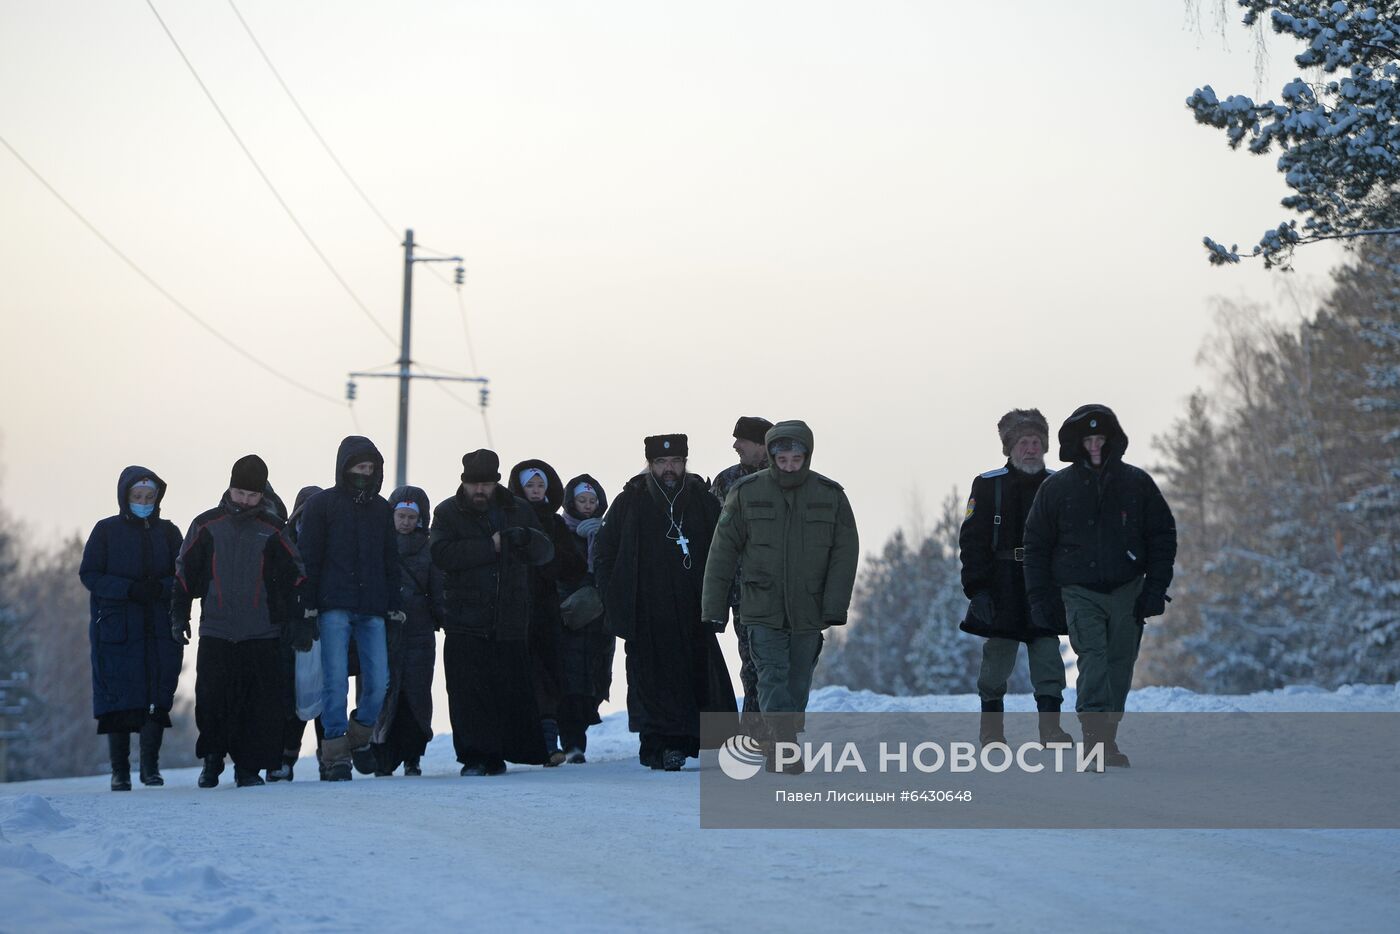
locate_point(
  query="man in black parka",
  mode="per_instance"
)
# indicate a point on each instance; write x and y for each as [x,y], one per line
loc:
[1101,534]
[485,541]
[650,567]
[990,549]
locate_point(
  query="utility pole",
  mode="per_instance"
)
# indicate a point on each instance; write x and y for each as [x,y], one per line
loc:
[401,463]
[405,373]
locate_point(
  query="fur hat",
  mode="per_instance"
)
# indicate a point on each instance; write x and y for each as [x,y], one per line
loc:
[667,446]
[481,466]
[1018,423]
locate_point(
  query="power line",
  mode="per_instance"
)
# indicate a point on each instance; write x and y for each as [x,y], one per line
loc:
[393,229]
[132,265]
[325,260]
[311,126]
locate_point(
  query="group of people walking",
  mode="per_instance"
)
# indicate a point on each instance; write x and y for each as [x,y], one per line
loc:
[531,580]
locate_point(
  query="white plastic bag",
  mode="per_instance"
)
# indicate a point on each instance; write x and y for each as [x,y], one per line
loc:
[309,684]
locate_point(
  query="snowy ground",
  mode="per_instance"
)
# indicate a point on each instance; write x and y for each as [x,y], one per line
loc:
[609,844]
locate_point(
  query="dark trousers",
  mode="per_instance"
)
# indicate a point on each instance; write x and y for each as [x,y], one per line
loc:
[748,674]
[237,702]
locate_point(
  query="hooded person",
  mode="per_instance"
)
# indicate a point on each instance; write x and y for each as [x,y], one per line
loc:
[586,648]
[239,563]
[352,564]
[293,727]
[406,723]
[538,484]
[990,550]
[1101,537]
[795,534]
[485,541]
[750,434]
[128,567]
[649,564]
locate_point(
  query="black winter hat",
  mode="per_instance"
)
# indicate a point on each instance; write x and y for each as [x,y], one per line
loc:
[481,466]
[249,473]
[667,446]
[1018,423]
[752,428]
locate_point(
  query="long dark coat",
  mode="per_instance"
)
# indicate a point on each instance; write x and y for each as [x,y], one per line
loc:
[135,661]
[413,645]
[546,625]
[485,653]
[586,655]
[675,669]
[989,551]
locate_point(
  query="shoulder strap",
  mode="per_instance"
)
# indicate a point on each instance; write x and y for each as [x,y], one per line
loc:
[996,513]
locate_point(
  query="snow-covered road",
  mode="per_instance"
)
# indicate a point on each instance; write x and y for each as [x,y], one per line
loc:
[611,844]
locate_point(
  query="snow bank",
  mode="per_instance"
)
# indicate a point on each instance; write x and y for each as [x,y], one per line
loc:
[610,844]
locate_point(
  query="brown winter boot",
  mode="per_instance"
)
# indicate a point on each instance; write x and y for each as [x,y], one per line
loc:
[335,755]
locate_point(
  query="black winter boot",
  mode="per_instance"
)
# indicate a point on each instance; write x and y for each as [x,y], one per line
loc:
[246,778]
[288,769]
[411,767]
[992,729]
[209,775]
[1049,721]
[119,751]
[554,756]
[1113,756]
[151,735]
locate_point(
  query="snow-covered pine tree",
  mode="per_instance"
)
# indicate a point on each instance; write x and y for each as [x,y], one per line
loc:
[1337,137]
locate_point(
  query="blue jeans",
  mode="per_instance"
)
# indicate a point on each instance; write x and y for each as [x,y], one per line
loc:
[336,626]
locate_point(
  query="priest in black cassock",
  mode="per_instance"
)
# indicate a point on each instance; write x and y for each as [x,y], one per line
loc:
[650,568]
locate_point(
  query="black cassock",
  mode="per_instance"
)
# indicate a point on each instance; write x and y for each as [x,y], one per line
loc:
[675,669]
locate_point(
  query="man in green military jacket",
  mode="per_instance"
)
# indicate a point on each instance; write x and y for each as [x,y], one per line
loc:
[795,534]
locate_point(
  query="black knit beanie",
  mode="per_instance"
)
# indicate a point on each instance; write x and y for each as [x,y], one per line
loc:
[249,473]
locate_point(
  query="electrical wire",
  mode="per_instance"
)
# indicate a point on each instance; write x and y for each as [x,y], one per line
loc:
[150,280]
[311,126]
[301,228]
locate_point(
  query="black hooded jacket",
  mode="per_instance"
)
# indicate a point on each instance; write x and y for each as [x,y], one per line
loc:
[347,540]
[1098,528]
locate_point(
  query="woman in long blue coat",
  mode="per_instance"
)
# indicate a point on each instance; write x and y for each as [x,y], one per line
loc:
[129,567]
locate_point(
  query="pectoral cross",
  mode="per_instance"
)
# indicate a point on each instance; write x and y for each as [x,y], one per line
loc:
[685,545]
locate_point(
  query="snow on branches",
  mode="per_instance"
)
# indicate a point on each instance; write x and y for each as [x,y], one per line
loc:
[1338,139]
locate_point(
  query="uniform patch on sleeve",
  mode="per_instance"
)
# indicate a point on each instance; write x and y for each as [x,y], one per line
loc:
[971,507]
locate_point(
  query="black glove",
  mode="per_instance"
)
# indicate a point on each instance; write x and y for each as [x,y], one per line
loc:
[517,537]
[1043,617]
[982,609]
[180,631]
[305,632]
[146,590]
[1150,603]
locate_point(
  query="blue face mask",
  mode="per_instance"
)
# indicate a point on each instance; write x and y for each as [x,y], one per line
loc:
[140,511]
